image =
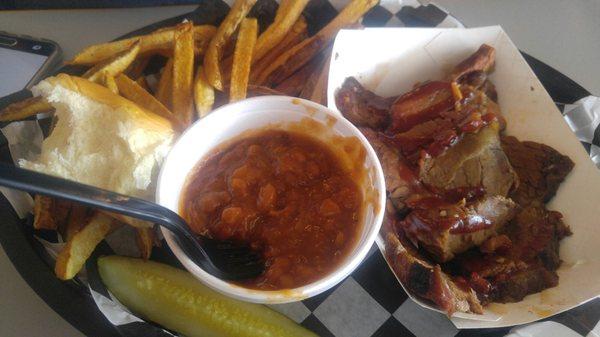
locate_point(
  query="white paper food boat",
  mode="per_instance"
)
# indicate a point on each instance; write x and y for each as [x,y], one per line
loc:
[389,61]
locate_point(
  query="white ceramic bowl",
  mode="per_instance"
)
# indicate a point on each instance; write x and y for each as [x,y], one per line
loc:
[278,112]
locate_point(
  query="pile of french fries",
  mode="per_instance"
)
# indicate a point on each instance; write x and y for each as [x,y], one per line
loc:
[206,66]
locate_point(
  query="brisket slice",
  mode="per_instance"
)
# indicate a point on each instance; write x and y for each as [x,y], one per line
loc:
[361,106]
[519,284]
[447,230]
[476,160]
[536,233]
[424,279]
[541,169]
[529,266]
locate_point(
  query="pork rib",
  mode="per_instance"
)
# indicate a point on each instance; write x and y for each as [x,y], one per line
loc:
[400,181]
[424,279]
[482,60]
[362,107]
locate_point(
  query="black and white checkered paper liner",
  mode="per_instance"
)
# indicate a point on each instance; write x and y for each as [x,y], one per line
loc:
[370,302]
[584,119]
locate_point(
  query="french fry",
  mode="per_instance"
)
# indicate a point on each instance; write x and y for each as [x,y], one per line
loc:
[242,59]
[226,69]
[113,66]
[290,61]
[201,32]
[288,13]
[141,81]
[296,35]
[165,52]
[133,222]
[213,55]
[135,93]
[42,213]
[61,212]
[183,75]
[108,81]
[164,90]
[137,67]
[71,258]
[285,21]
[300,80]
[204,94]
[25,109]
[98,53]
[148,43]
[257,90]
[319,92]
[145,241]
[313,81]
[229,48]
[78,218]
[202,36]
[199,50]
[50,213]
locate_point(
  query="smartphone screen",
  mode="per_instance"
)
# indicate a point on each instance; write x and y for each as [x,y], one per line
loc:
[19,62]
[17,68]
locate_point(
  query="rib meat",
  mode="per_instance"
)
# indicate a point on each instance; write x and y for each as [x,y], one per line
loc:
[400,181]
[421,104]
[362,107]
[423,278]
[482,60]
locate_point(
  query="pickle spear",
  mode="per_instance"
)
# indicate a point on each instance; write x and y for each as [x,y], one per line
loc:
[174,299]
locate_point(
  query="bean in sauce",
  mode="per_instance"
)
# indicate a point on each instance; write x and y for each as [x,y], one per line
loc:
[285,194]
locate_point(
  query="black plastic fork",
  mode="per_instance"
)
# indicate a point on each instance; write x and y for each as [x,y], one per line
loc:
[222,259]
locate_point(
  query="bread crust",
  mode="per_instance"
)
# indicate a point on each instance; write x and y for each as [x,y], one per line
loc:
[102,95]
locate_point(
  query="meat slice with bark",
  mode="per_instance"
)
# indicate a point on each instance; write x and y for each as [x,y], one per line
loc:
[447,230]
[476,160]
[529,266]
[535,233]
[424,279]
[474,111]
[361,106]
[400,181]
[482,60]
[421,104]
[541,169]
[524,282]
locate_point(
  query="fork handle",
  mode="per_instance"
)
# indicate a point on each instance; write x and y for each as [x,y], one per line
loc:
[38,183]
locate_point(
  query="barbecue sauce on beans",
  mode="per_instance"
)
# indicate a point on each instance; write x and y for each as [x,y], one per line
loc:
[285,194]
